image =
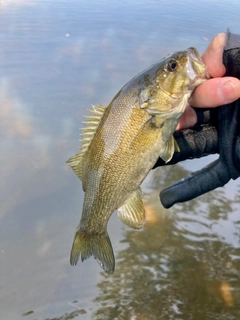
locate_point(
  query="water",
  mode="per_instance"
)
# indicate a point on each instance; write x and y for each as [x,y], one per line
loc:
[56,59]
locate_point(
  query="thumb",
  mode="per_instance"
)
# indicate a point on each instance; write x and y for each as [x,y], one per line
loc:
[196,184]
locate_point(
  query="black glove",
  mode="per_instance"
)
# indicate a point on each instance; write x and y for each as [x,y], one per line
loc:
[200,141]
[217,131]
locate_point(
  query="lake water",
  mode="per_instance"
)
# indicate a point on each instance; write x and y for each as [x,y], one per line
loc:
[56,59]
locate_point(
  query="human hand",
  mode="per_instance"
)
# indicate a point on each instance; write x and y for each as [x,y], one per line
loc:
[216,130]
[214,92]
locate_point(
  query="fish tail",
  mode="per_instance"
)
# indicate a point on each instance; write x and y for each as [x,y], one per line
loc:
[98,245]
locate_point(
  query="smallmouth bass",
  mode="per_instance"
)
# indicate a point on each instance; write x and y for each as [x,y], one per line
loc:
[122,142]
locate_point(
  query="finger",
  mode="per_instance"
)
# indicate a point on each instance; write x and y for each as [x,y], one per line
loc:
[215,92]
[188,119]
[212,57]
[196,184]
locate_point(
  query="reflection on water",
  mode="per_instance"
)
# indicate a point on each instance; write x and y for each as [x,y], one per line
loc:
[183,263]
[56,59]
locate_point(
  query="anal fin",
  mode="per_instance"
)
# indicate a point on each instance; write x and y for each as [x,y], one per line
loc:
[132,212]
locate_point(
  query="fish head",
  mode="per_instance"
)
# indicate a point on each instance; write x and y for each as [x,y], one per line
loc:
[181,72]
[171,81]
[168,85]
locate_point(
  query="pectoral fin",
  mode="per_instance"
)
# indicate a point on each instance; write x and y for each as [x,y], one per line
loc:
[132,212]
[171,147]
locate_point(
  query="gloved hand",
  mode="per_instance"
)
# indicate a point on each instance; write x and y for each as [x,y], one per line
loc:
[197,142]
[217,131]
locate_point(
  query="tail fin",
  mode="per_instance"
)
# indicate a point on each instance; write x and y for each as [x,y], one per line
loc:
[99,246]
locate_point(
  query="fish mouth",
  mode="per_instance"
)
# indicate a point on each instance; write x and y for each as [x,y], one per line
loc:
[197,70]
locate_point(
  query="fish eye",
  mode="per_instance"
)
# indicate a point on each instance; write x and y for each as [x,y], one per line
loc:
[172,65]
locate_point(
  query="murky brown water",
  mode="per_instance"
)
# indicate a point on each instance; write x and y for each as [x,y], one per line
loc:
[189,259]
[56,59]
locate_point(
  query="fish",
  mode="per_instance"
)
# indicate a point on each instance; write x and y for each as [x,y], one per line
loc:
[121,143]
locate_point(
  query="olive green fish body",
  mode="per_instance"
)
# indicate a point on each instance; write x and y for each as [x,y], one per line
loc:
[121,143]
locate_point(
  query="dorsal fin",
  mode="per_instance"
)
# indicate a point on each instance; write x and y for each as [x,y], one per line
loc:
[91,125]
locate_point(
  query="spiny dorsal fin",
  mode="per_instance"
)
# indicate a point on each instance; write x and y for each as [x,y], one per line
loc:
[91,124]
[132,212]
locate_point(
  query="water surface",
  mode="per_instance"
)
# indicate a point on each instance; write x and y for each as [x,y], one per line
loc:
[56,59]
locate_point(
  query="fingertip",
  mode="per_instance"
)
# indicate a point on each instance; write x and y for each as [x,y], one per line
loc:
[212,57]
[229,90]
[166,199]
